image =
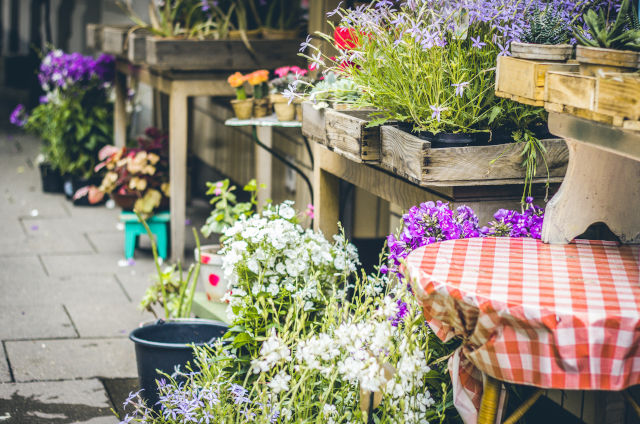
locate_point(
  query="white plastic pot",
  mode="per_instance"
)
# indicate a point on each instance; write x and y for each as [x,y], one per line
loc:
[211,274]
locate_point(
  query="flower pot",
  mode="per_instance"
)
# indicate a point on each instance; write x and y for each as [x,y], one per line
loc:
[260,108]
[211,273]
[128,200]
[52,181]
[547,52]
[284,110]
[161,346]
[279,34]
[242,108]
[73,183]
[595,59]
[298,103]
[252,34]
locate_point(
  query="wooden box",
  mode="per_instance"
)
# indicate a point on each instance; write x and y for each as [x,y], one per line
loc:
[114,38]
[413,158]
[137,46]
[94,36]
[571,89]
[220,55]
[619,95]
[523,80]
[313,123]
[347,134]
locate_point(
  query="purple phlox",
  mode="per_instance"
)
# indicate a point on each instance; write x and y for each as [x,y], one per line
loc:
[399,316]
[19,116]
[476,43]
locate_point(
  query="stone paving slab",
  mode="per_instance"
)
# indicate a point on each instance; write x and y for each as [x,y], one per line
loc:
[35,321]
[5,375]
[55,235]
[111,243]
[74,264]
[79,401]
[71,359]
[21,268]
[98,320]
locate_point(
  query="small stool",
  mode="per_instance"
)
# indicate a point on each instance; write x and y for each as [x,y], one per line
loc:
[133,228]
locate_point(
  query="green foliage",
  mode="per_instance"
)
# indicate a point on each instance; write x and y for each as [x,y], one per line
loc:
[331,91]
[226,210]
[283,14]
[546,26]
[623,33]
[74,128]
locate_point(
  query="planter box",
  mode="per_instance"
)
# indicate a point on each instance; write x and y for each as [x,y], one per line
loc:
[348,134]
[555,52]
[313,123]
[413,158]
[137,46]
[619,95]
[220,55]
[524,80]
[114,39]
[94,36]
[571,89]
[594,58]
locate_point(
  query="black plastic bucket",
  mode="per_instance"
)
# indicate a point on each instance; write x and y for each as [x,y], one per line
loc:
[164,345]
[51,178]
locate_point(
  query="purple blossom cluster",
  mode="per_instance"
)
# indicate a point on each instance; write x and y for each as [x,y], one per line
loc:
[19,116]
[433,222]
[63,70]
[402,312]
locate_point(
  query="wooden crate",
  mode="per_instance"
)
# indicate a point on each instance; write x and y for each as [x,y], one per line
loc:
[137,46]
[348,134]
[571,89]
[413,158]
[619,95]
[114,38]
[523,80]
[313,123]
[94,36]
[220,55]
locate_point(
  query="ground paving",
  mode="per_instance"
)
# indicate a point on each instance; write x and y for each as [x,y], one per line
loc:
[66,304]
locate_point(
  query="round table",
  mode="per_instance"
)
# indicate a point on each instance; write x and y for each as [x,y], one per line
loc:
[550,316]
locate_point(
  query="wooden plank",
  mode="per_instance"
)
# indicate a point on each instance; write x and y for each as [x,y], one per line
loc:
[571,89]
[114,38]
[313,123]
[413,158]
[221,55]
[94,36]
[137,46]
[347,132]
[619,95]
[264,164]
[178,134]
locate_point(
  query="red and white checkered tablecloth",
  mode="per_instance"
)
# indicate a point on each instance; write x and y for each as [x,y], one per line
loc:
[551,316]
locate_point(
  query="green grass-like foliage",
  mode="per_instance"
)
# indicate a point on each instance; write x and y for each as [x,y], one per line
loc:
[546,27]
[623,33]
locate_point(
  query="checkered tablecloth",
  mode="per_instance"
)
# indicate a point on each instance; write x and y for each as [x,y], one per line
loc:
[551,316]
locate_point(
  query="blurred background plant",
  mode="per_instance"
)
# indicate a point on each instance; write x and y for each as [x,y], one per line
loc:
[226,208]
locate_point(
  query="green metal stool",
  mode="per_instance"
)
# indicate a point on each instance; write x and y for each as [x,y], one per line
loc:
[133,228]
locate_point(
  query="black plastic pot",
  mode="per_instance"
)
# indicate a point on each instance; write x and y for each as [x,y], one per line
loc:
[163,345]
[73,183]
[51,178]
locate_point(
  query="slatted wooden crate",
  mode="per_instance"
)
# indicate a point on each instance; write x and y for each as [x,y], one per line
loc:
[413,158]
[523,80]
[114,39]
[348,134]
[137,46]
[619,95]
[94,36]
[313,123]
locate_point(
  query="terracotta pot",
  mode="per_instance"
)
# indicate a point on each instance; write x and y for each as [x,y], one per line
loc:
[552,52]
[235,34]
[595,59]
[279,34]
[298,104]
[127,201]
[242,108]
[260,108]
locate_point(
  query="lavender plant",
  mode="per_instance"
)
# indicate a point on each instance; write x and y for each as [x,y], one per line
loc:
[74,114]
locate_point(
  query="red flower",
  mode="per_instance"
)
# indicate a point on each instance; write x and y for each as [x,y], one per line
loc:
[345,38]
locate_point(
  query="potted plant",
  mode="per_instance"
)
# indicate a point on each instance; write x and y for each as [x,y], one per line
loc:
[242,106]
[607,43]
[283,20]
[284,108]
[73,116]
[258,79]
[226,211]
[137,179]
[167,343]
[546,37]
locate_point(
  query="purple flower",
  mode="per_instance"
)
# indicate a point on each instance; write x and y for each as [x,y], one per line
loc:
[437,110]
[19,116]
[399,317]
[476,43]
[460,88]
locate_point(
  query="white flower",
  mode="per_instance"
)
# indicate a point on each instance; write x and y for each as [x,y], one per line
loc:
[329,410]
[273,350]
[280,382]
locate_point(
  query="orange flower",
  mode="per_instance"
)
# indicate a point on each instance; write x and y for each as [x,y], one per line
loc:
[258,77]
[236,80]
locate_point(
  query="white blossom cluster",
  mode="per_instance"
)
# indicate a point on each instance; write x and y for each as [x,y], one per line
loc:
[269,253]
[272,351]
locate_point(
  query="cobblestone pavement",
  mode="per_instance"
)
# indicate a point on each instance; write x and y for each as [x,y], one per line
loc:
[66,303]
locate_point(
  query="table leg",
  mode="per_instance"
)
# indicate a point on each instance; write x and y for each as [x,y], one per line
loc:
[490,399]
[264,164]
[120,110]
[178,134]
[327,197]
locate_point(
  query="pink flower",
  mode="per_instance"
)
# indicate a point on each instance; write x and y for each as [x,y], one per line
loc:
[283,71]
[310,211]
[298,71]
[217,191]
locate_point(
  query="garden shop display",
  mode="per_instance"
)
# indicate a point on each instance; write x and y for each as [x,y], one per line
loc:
[137,178]
[284,109]
[226,211]
[74,116]
[242,106]
[309,344]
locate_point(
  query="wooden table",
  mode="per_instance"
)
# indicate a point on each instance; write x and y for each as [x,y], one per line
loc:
[179,86]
